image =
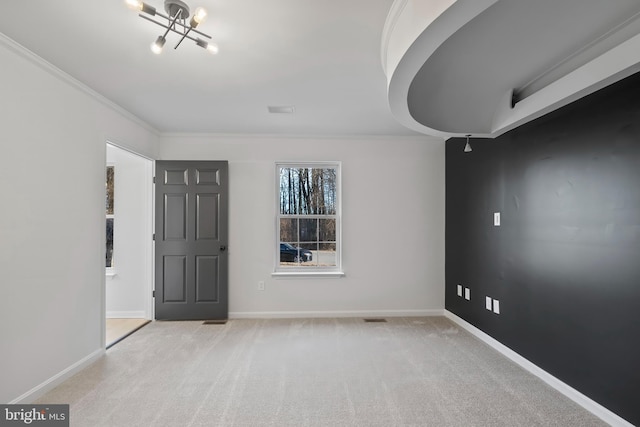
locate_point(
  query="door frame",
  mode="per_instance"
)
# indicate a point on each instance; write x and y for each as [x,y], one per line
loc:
[149,243]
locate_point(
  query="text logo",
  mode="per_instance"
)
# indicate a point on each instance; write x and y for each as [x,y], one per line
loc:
[34,415]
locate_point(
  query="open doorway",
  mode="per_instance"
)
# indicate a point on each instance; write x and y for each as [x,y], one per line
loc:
[129,252]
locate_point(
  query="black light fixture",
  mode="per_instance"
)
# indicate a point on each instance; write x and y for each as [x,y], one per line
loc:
[467,147]
[178,22]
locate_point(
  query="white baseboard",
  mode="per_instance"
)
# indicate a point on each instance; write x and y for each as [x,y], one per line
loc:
[573,394]
[324,314]
[126,314]
[58,379]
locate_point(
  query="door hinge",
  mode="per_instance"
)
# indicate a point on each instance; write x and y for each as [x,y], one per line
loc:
[153,294]
[154,179]
[154,236]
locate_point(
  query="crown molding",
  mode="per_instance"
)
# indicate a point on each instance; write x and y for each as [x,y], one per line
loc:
[310,137]
[45,65]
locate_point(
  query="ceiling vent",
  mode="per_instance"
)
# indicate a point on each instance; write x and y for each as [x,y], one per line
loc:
[281,109]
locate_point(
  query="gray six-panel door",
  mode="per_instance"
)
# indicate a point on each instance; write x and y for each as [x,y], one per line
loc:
[191,262]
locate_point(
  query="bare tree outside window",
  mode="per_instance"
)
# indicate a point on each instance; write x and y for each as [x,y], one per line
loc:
[308,215]
[110,182]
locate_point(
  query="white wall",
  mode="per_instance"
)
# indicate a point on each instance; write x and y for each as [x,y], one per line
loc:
[393,223]
[52,221]
[128,292]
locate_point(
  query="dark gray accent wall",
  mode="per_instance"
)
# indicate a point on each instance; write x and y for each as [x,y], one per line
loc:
[565,262]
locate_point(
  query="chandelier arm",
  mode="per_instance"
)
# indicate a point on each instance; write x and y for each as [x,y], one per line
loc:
[186,27]
[200,32]
[168,28]
[183,36]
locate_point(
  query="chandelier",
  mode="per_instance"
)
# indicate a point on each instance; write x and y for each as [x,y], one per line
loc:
[177,21]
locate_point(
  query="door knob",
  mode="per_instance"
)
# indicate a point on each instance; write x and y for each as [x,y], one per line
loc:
[223,248]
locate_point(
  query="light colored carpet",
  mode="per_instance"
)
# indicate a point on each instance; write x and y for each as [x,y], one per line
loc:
[311,372]
[118,329]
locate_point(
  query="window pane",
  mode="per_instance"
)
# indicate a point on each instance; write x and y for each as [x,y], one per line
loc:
[308,191]
[109,242]
[109,199]
[289,230]
[326,256]
[327,230]
[292,254]
[308,230]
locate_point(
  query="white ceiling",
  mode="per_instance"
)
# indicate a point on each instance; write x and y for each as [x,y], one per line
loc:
[323,57]
[457,75]
[504,48]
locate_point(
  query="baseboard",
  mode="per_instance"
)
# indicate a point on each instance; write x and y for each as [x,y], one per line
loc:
[573,394]
[126,314]
[58,379]
[325,314]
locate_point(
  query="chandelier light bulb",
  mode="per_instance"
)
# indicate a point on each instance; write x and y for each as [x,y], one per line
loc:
[134,4]
[156,46]
[212,48]
[199,15]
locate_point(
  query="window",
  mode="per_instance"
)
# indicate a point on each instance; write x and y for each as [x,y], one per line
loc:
[308,218]
[109,210]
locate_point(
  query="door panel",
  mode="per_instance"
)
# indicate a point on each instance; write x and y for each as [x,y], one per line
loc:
[207,205]
[206,269]
[174,278]
[191,240]
[175,215]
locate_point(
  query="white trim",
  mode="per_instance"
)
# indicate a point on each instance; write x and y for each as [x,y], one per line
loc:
[149,257]
[150,246]
[389,26]
[313,273]
[329,314]
[137,314]
[113,142]
[302,137]
[573,394]
[58,379]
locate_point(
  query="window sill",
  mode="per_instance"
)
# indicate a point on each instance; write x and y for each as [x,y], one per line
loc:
[325,274]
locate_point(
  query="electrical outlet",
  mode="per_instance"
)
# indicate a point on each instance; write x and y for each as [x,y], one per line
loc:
[496,219]
[261,285]
[487,303]
[467,294]
[496,306]
[459,290]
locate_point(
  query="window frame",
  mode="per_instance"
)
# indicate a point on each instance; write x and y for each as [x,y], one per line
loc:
[111,271]
[308,271]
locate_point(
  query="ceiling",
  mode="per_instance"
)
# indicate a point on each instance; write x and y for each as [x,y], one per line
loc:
[504,48]
[466,59]
[322,57]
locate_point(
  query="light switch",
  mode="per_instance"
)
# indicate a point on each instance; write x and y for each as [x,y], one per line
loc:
[487,303]
[496,219]
[496,306]
[459,290]
[467,294]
